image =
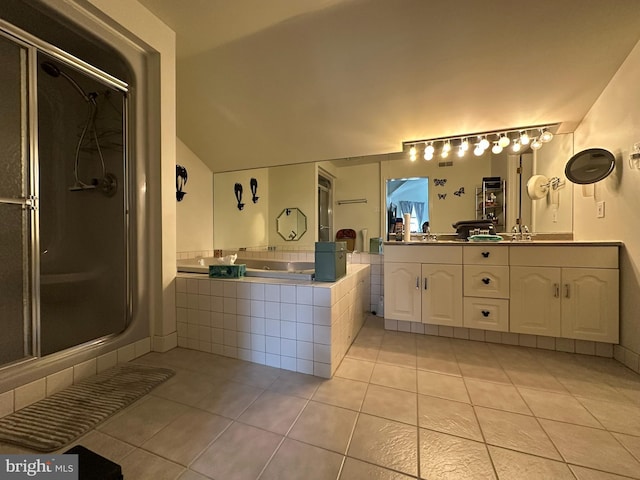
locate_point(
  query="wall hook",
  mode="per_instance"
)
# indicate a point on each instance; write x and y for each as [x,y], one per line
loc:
[181,180]
[238,191]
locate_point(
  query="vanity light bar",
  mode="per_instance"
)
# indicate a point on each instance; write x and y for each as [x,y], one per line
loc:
[516,138]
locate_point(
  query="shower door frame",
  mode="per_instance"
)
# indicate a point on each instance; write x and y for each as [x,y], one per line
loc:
[33,46]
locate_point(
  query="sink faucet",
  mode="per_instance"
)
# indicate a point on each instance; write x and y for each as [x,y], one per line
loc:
[520,233]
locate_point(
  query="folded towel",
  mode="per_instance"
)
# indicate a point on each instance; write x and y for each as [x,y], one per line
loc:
[485,238]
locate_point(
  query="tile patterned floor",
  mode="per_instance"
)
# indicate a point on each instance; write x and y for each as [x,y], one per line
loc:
[400,406]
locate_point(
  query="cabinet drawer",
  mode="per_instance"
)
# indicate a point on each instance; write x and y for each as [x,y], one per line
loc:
[486,281]
[485,255]
[486,313]
[437,253]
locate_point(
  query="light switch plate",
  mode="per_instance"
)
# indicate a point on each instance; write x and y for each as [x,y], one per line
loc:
[600,209]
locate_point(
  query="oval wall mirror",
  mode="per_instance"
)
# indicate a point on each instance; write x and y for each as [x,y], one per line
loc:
[590,166]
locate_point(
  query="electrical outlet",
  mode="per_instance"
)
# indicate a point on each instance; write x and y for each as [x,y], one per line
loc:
[600,210]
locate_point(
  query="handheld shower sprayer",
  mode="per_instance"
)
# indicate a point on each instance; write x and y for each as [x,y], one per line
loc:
[108,181]
[55,72]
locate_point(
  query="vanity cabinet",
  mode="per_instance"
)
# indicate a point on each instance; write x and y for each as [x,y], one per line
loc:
[568,291]
[564,292]
[423,284]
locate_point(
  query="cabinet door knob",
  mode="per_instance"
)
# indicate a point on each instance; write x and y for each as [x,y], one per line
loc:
[485,313]
[486,281]
[486,254]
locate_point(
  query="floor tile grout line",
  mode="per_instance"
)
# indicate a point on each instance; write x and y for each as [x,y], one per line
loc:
[284,437]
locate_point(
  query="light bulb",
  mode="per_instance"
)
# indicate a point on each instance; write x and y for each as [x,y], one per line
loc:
[545,136]
[504,141]
[428,155]
[496,148]
[412,153]
[484,143]
[461,151]
[464,145]
[536,144]
[524,138]
[516,146]
[478,150]
[445,153]
[429,149]
[446,147]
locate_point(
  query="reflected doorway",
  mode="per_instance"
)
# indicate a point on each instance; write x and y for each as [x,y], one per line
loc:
[325,210]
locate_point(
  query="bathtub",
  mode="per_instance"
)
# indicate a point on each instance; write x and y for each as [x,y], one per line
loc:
[256,267]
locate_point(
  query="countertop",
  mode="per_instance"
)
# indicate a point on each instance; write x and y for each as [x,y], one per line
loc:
[517,243]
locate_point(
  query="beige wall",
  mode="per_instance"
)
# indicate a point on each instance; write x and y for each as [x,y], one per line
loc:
[233,228]
[293,186]
[554,213]
[359,181]
[194,214]
[614,123]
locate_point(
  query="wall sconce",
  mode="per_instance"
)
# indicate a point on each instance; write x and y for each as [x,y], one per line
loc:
[254,189]
[521,138]
[634,156]
[181,180]
[238,192]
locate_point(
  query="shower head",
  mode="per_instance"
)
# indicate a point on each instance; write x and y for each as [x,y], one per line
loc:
[55,72]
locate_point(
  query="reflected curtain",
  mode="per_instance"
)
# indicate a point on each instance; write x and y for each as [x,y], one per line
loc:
[405,206]
[419,208]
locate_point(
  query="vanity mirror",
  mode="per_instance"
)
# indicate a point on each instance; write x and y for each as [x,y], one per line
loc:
[590,166]
[291,224]
[451,193]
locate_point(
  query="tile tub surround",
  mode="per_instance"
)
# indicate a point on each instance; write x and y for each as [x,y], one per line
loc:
[301,326]
[285,253]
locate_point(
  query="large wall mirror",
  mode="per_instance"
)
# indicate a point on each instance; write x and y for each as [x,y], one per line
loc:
[451,193]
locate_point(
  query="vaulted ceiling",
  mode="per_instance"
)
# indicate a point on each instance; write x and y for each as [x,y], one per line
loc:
[271,82]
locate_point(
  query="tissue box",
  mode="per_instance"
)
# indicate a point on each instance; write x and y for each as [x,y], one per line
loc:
[227,271]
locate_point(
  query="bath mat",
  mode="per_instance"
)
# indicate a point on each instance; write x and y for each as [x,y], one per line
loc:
[56,421]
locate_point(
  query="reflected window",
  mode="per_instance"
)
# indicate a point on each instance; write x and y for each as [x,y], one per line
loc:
[407,195]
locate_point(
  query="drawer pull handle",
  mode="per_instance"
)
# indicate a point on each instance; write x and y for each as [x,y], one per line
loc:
[556,290]
[425,283]
[485,313]
[567,292]
[486,254]
[486,281]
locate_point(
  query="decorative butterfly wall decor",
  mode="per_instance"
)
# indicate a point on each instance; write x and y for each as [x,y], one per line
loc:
[442,196]
[439,182]
[459,192]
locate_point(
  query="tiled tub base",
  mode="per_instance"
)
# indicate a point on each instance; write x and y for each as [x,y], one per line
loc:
[301,326]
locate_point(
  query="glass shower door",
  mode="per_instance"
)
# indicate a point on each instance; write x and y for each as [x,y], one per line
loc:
[17,208]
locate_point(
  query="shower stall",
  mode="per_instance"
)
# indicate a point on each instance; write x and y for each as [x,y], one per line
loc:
[64,237]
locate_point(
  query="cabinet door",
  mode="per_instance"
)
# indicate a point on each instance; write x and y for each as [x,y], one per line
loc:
[402,291]
[442,294]
[590,304]
[534,307]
